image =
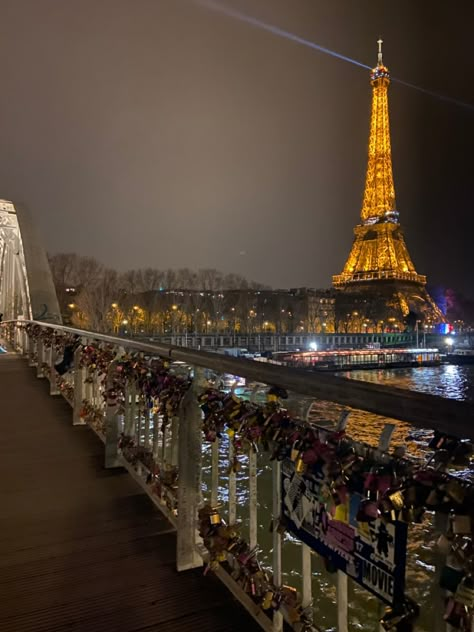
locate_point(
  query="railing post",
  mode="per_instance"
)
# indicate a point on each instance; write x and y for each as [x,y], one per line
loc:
[111,425]
[253,511]
[276,557]
[306,572]
[40,358]
[341,601]
[215,472]
[53,376]
[31,351]
[232,483]
[24,343]
[78,389]
[189,490]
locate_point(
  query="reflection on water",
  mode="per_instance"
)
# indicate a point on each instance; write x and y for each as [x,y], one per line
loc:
[364,610]
[447,380]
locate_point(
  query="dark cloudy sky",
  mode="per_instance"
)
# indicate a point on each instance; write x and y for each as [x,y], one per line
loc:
[159,133]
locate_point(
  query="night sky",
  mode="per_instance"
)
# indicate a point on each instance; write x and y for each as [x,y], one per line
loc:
[162,133]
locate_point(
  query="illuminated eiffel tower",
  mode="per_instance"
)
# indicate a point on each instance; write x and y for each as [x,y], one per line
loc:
[379,267]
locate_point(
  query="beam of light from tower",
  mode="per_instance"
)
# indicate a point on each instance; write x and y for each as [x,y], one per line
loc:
[243,17]
[213,5]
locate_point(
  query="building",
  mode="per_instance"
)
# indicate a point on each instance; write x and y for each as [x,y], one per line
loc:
[379,288]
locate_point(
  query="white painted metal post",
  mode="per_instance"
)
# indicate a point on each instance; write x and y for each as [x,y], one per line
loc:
[24,345]
[31,351]
[78,390]
[53,376]
[306,571]
[173,458]
[146,441]
[215,473]
[232,485]
[40,358]
[133,408]
[341,600]
[276,557]
[129,427]
[112,420]
[253,505]
[156,443]
[190,463]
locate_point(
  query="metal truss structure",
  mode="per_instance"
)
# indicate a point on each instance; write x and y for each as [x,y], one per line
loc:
[26,285]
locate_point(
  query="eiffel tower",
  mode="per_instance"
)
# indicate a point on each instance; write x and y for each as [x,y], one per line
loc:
[379,281]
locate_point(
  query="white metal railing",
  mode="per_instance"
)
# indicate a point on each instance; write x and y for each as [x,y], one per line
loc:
[155,429]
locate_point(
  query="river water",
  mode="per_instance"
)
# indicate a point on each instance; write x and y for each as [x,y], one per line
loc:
[449,381]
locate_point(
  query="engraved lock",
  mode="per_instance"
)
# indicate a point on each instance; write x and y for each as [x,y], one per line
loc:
[461,525]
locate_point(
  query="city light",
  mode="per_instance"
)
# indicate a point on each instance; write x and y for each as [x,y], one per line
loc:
[449,342]
[114,305]
[313,346]
[72,305]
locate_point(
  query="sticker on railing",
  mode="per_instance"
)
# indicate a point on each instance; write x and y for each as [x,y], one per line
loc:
[370,551]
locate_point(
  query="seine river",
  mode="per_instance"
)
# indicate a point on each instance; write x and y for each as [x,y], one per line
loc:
[447,381]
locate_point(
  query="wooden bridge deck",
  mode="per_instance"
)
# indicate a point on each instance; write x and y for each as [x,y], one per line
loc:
[82,548]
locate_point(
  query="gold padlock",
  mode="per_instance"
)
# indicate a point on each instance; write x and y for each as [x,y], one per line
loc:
[267,600]
[299,465]
[397,500]
[214,517]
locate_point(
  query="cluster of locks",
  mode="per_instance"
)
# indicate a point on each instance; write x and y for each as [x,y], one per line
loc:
[51,338]
[93,416]
[163,481]
[391,486]
[226,546]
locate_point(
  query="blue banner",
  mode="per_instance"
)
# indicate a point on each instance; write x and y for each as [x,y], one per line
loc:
[372,553]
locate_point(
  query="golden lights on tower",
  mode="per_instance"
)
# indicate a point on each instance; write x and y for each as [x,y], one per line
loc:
[379,251]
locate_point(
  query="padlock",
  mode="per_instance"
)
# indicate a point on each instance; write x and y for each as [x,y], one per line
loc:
[465,592]
[456,614]
[367,511]
[299,465]
[455,491]
[267,600]
[214,518]
[461,524]
[397,499]
[443,544]
[450,578]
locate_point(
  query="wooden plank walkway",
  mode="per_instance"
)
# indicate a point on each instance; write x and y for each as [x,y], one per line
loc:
[82,548]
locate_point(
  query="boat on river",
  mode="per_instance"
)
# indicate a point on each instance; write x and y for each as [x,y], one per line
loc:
[348,359]
[460,356]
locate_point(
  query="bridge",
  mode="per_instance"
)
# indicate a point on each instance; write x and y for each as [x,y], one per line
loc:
[139,483]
